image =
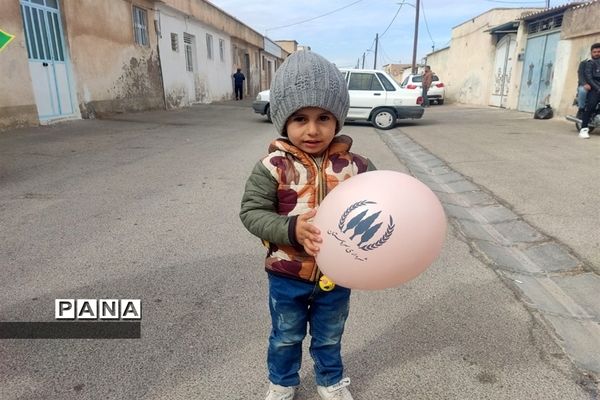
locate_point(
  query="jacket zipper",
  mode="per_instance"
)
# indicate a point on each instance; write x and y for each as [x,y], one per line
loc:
[321,188]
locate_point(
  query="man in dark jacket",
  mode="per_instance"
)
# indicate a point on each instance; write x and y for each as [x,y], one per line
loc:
[592,78]
[238,83]
[582,88]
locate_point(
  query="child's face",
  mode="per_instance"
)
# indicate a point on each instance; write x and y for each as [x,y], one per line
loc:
[311,129]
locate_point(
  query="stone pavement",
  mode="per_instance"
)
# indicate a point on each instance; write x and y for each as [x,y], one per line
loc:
[559,285]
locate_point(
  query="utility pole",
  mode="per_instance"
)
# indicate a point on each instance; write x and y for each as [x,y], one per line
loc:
[357,63]
[376,44]
[363,64]
[414,58]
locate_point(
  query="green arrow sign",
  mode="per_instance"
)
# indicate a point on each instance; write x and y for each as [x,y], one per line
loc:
[5,38]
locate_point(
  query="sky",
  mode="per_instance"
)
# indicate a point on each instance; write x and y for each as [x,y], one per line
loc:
[344,35]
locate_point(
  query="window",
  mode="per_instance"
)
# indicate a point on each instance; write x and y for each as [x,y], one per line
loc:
[386,83]
[546,24]
[364,81]
[140,26]
[222,49]
[174,42]
[209,46]
[188,43]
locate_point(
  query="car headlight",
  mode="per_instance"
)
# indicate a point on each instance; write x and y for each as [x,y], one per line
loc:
[258,97]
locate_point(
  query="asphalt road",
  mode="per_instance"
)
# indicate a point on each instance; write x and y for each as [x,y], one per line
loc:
[145,206]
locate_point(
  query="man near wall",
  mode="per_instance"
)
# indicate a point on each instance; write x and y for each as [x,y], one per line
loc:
[238,83]
[582,88]
[592,78]
[426,84]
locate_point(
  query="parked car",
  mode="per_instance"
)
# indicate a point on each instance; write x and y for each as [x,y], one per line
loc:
[435,93]
[374,97]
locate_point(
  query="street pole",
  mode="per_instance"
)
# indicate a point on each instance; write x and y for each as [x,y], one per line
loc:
[376,43]
[363,64]
[414,58]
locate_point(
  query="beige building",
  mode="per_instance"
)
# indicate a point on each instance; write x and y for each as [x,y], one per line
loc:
[288,45]
[466,66]
[85,58]
[271,58]
[397,71]
[520,59]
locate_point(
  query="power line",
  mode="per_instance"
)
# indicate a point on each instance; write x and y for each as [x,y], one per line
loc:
[385,54]
[426,24]
[393,19]
[313,18]
[386,29]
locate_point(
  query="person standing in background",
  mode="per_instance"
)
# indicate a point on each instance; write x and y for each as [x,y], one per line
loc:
[426,84]
[238,83]
[582,88]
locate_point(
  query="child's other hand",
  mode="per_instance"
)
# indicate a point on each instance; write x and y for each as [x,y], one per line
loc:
[308,235]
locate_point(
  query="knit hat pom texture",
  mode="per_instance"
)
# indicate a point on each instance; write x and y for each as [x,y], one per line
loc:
[306,79]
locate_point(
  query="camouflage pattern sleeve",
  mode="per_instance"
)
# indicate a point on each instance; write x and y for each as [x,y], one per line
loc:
[259,207]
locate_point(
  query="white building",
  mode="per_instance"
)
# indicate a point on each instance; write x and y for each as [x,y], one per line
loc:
[196,59]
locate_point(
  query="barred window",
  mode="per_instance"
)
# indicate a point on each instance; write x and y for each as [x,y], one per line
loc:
[140,26]
[209,46]
[174,42]
[188,42]
[222,49]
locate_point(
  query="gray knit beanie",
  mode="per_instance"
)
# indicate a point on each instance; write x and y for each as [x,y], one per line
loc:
[306,79]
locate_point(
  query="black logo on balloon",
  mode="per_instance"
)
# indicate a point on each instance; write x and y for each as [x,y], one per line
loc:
[360,227]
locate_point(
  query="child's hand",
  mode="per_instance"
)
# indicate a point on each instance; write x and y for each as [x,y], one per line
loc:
[307,234]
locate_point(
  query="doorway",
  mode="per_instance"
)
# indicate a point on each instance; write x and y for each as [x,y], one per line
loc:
[48,59]
[505,51]
[538,72]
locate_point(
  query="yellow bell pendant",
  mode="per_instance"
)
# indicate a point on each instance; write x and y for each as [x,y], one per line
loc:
[326,284]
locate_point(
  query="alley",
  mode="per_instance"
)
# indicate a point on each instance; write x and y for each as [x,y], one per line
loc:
[145,206]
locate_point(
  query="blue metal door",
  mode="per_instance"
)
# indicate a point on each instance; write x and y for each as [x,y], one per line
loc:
[48,60]
[538,71]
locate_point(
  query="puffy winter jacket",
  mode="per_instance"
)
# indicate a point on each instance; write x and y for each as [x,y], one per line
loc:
[285,184]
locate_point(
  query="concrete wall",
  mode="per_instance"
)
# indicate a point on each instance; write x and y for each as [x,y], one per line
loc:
[112,72]
[471,55]
[288,45]
[438,61]
[211,80]
[17,103]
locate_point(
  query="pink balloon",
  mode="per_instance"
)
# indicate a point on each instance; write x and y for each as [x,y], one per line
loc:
[379,229]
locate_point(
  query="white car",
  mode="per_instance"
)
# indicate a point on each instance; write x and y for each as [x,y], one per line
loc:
[374,97]
[436,92]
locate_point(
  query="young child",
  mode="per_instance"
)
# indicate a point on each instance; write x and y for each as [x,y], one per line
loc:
[309,103]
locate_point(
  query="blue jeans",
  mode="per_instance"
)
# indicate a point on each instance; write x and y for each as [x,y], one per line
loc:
[424,95]
[293,305]
[581,96]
